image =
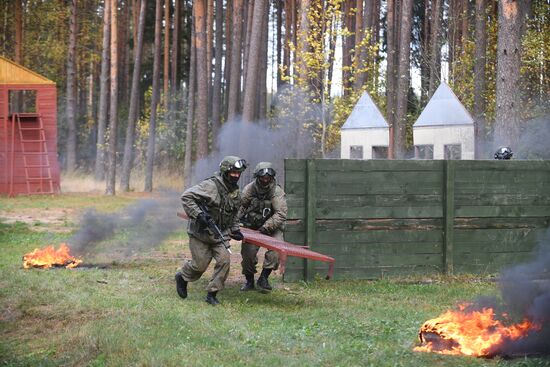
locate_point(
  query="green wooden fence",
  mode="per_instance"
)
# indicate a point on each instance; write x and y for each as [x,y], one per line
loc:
[382,218]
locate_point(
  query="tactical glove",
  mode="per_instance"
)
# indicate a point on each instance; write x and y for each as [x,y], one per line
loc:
[263,230]
[204,219]
[237,235]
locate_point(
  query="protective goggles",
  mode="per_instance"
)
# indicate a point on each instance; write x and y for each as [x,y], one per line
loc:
[240,164]
[266,171]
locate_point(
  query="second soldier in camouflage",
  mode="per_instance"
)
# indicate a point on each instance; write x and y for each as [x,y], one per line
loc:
[264,209]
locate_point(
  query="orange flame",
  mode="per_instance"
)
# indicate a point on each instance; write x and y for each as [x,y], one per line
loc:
[472,333]
[49,256]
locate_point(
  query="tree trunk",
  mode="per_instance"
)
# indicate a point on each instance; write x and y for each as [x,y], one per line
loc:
[507,124]
[332,48]
[103,94]
[154,100]
[465,22]
[71,90]
[113,111]
[209,48]
[365,59]
[199,9]
[435,53]
[403,77]
[176,38]
[391,71]
[425,57]
[452,31]
[279,8]
[262,86]
[18,33]
[288,37]
[294,24]
[348,42]
[166,68]
[228,55]
[303,45]
[90,116]
[124,56]
[480,82]
[252,74]
[235,86]
[247,30]
[359,60]
[217,85]
[135,20]
[134,98]
[375,38]
[190,113]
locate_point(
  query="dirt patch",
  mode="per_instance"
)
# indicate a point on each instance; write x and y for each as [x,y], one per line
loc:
[44,220]
[235,277]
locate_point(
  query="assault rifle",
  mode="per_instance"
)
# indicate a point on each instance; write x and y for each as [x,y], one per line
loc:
[213,226]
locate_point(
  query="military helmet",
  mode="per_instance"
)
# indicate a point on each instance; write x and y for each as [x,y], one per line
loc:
[504,153]
[232,163]
[264,168]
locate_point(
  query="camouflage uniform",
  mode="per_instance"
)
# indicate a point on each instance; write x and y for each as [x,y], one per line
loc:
[222,200]
[264,209]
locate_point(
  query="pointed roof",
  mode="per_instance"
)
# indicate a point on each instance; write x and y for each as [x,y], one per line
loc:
[365,114]
[12,73]
[444,108]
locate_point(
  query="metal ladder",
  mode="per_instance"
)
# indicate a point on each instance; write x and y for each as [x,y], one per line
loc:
[36,162]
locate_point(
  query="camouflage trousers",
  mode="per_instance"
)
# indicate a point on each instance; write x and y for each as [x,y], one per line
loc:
[249,254]
[201,256]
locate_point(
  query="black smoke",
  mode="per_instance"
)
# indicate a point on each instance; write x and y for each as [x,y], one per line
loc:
[525,291]
[524,294]
[140,226]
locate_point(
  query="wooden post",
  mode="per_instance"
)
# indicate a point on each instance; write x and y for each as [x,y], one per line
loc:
[310,214]
[449,191]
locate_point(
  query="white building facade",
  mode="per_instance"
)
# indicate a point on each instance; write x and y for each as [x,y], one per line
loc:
[365,134]
[444,129]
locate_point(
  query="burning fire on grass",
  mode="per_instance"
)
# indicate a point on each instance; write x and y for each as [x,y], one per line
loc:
[472,332]
[50,257]
[514,324]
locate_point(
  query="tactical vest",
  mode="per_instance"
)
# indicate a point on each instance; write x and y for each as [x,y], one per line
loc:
[229,205]
[259,211]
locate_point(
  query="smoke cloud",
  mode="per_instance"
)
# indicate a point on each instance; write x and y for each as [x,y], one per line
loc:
[255,142]
[525,294]
[532,144]
[140,226]
[290,135]
[525,290]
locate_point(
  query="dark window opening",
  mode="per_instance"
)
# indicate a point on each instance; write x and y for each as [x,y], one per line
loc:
[356,152]
[380,152]
[424,151]
[22,101]
[453,151]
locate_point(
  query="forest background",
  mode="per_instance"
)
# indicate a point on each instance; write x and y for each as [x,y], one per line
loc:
[167,86]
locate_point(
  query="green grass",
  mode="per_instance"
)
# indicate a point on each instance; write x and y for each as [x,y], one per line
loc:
[129,314]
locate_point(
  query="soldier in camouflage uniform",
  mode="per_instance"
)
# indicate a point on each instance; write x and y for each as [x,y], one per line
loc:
[214,200]
[264,209]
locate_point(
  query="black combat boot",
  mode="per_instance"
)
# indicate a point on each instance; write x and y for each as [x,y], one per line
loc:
[211,298]
[181,285]
[262,283]
[249,285]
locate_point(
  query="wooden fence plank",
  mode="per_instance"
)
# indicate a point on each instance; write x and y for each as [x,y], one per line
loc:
[502,211]
[397,236]
[449,213]
[379,212]
[310,215]
[502,199]
[510,165]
